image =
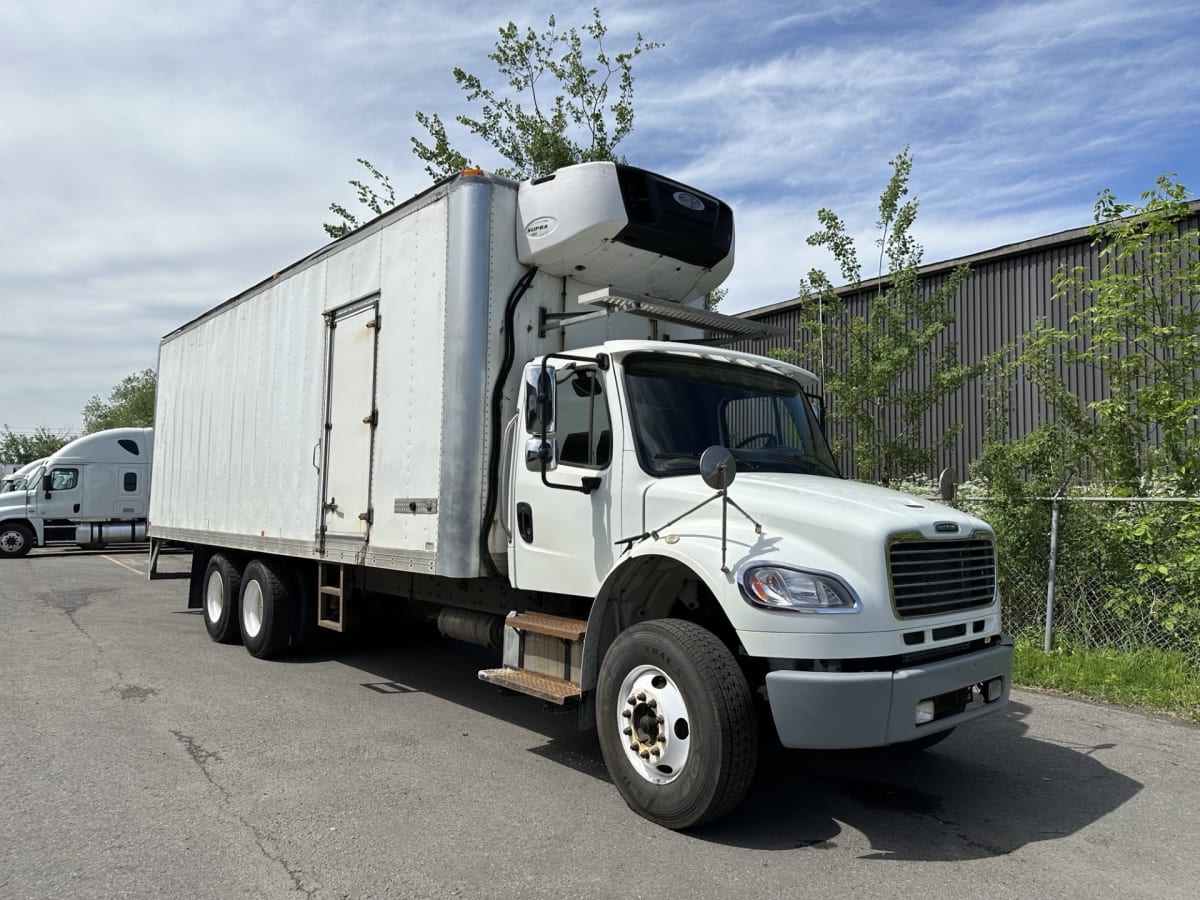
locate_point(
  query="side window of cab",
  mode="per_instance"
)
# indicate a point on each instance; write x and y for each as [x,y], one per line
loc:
[63,479]
[582,421]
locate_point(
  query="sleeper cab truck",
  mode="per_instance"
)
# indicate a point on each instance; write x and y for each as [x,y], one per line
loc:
[92,492]
[500,407]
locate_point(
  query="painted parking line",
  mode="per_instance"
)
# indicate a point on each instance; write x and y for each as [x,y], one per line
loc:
[124,565]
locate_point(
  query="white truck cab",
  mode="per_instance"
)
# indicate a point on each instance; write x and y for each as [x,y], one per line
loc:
[93,491]
[702,484]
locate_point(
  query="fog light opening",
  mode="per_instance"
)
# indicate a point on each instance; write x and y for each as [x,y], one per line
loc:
[993,690]
[925,712]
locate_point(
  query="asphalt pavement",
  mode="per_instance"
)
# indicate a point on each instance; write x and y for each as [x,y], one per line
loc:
[139,759]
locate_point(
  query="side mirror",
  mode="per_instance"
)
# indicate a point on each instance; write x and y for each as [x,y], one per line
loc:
[539,399]
[46,484]
[948,485]
[541,452]
[717,467]
[817,403]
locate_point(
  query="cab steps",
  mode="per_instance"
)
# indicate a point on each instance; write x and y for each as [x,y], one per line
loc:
[542,654]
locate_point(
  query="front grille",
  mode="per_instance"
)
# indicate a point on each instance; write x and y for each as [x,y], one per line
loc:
[934,577]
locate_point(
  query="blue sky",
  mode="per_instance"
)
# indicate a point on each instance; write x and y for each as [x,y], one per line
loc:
[159,157]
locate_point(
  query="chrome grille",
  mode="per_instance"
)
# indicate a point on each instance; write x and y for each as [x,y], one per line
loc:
[934,577]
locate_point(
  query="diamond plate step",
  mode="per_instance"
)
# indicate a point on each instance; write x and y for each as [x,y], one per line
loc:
[545,687]
[544,623]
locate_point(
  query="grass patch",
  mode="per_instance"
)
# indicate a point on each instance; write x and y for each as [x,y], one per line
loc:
[1153,679]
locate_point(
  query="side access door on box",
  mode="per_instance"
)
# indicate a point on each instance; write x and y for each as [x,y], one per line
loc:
[350,420]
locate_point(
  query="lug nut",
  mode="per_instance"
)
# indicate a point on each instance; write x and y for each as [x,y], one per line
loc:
[634,746]
[655,751]
[641,696]
[627,713]
[632,702]
[627,732]
[660,720]
[645,754]
[652,703]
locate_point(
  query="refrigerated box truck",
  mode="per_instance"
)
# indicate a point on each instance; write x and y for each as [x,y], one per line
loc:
[503,407]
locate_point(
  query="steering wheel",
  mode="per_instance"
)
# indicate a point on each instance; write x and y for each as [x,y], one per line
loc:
[761,436]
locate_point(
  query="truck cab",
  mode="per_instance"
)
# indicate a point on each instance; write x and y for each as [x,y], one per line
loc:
[701,482]
[91,492]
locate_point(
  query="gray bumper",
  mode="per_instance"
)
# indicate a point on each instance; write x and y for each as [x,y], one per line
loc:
[832,710]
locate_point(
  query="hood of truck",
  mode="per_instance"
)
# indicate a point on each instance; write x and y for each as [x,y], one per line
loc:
[812,505]
[13,504]
[818,524]
[813,522]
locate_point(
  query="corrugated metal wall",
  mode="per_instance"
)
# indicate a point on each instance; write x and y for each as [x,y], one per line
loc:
[1005,294]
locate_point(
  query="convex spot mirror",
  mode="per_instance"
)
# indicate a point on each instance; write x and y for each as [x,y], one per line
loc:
[717,467]
[539,399]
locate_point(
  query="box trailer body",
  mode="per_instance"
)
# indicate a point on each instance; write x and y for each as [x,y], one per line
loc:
[499,407]
[92,492]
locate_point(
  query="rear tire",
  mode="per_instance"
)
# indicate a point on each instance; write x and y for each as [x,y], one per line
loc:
[16,539]
[684,701]
[219,599]
[266,611]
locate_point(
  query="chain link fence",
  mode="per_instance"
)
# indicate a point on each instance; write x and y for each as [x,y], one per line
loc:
[1099,572]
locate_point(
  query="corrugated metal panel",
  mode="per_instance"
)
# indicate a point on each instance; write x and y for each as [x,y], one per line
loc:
[1006,293]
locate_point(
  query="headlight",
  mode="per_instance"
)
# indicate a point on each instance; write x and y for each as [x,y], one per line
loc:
[776,587]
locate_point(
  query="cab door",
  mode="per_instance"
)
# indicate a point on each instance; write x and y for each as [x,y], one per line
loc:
[59,492]
[562,525]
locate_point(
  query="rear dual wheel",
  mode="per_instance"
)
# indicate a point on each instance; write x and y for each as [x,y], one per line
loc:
[222,584]
[266,611]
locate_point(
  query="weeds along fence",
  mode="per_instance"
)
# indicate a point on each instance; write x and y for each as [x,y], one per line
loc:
[1101,573]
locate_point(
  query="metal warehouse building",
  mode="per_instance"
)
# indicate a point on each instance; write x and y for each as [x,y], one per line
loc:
[1007,291]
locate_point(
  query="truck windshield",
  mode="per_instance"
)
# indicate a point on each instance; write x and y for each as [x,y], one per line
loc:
[680,407]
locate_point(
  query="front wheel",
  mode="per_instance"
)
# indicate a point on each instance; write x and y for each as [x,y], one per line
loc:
[676,723]
[16,539]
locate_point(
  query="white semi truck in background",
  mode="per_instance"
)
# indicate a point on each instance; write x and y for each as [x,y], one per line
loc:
[92,492]
[18,478]
[500,406]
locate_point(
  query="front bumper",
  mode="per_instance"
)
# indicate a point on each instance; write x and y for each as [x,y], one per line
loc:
[841,710]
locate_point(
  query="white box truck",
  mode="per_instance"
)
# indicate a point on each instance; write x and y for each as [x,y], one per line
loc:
[92,492]
[498,406]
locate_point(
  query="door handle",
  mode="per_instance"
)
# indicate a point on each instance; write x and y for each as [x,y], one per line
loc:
[525,522]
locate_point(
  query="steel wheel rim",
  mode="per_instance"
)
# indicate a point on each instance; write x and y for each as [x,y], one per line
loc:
[654,725]
[252,608]
[214,597]
[12,540]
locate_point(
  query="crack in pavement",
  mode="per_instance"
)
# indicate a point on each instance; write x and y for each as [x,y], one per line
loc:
[204,758]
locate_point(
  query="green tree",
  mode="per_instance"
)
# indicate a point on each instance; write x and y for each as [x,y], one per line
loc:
[886,368]
[25,448]
[1136,322]
[565,99]
[130,405]
[376,199]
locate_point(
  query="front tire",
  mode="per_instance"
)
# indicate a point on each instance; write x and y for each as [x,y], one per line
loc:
[266,612]
[676,723]
[222,582]
[16,539]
